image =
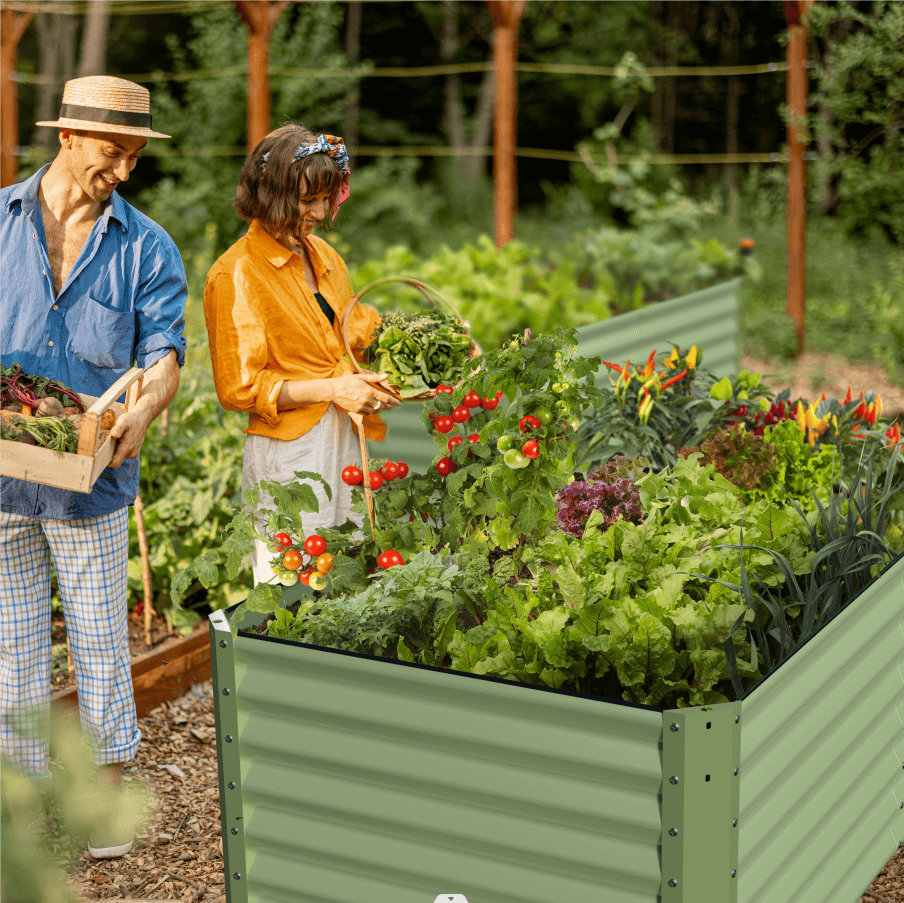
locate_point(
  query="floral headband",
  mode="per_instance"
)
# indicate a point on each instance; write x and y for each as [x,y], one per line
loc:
[333,147]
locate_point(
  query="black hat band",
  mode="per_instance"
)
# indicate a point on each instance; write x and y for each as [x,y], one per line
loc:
[99,114]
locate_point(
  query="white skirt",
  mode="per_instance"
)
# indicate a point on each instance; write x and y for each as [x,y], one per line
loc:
[327,449]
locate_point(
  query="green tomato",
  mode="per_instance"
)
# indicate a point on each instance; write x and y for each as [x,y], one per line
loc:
[560,387]
[573,422]
[504,443]
[543,415]
[515,459]
[288,578]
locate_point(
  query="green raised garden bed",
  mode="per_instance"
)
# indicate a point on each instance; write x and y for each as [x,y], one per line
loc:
[346,777]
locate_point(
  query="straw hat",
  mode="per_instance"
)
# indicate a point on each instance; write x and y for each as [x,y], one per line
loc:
[101,103]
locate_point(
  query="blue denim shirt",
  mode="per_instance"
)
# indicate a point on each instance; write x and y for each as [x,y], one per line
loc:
[122,302]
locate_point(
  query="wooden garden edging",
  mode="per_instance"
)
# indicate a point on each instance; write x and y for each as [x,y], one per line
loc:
[164,674]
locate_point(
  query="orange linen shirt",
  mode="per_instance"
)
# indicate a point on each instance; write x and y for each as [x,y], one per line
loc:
[265,327]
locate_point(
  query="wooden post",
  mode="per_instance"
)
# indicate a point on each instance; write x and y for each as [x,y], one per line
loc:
[506,17]
[12,27]
[796,12]
[260,16]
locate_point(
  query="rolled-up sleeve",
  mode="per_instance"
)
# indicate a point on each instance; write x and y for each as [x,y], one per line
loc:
[160,304]
[238,349]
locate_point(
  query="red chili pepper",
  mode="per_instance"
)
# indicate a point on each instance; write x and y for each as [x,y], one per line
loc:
[674,379]
[614,367]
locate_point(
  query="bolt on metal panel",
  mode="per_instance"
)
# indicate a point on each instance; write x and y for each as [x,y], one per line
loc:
[228,766]
[701,754]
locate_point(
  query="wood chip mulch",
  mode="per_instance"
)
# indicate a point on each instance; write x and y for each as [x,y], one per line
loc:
[179,855]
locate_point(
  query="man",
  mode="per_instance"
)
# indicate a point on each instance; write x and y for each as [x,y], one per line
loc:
[89,285]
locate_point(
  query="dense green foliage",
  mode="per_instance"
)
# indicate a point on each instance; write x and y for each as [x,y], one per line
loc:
[626,585]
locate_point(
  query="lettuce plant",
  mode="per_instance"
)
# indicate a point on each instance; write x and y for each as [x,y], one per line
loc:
[609,490]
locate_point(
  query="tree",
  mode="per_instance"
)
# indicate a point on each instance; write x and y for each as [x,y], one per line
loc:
[859,118]
[193,200]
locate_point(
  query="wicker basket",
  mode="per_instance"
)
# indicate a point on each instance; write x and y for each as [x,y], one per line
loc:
[432,295]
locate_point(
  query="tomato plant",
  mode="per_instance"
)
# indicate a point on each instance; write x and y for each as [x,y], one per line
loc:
[315,545]
[515,459]
[455,440]
[446,466]
[529,422]
[472,400]
[283,539]
[403,469]
[531,449]
[444,424]
[390,558]
[461,414]
[352,475]
[389,471]
[318,581]
[292,560]
[376,480]
[492,403]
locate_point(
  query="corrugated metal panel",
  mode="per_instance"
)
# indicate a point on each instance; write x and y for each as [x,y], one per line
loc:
[821,758]
[709,318]
[363,779]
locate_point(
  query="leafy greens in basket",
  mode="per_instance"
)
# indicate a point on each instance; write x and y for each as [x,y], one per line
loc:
[419,352]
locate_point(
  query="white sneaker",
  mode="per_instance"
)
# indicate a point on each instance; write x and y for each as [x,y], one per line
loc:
[106,846]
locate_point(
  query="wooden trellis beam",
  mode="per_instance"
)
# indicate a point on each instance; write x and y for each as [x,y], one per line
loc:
[260,16]
[506,17]
[796,13]
[12,27]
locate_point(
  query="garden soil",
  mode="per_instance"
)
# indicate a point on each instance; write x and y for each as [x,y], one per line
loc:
[178,856]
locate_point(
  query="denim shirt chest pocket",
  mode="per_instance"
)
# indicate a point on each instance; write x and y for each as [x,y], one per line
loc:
[100,336]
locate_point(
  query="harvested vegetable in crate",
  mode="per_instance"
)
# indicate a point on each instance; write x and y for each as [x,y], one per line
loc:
[55,433]
[419,352]
[18,387]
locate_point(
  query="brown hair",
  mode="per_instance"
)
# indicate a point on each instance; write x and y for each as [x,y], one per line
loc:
[270,191]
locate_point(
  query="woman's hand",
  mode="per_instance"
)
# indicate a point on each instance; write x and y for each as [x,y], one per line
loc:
[357,394]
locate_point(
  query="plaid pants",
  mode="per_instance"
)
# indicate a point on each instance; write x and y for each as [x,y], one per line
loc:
[91,560]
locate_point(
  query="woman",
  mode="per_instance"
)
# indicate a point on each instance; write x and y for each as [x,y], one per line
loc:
[273,304]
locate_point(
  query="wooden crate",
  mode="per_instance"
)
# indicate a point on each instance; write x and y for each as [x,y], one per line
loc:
[79,471]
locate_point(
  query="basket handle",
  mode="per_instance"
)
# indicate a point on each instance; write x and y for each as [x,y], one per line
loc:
[426,290]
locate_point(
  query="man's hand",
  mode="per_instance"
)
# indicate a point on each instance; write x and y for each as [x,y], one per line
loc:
[130,429]
[158,388]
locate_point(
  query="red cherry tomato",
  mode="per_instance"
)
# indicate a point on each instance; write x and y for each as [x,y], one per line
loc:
[444,424]
[455,440]
[530,449]
[292,560]
[352,475]
[492,403]
[390,471]
[282,539]
[474,438]
[305,578]
[446,466]
[315,545]
[433,415]
[461,414]
[472,400]
[528,422]
[403,470]
[376,479]
[390,558]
